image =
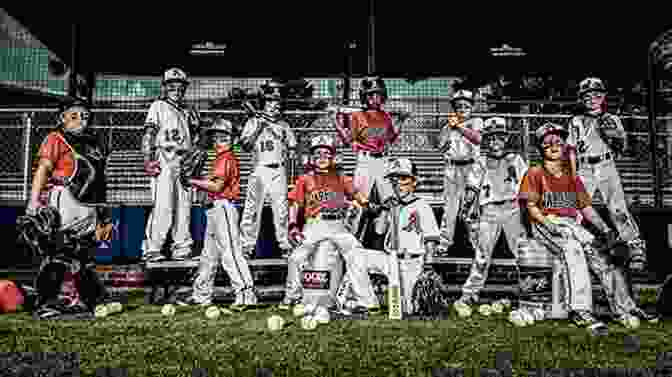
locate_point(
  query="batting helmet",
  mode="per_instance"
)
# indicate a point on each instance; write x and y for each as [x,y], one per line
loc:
[175,75]
[325,141]
[402,166]
[372,85]
[463,94]
[591,84]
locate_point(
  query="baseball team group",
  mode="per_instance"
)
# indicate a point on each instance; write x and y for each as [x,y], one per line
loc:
[318,222]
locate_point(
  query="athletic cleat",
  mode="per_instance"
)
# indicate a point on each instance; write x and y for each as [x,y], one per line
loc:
[60,311]
[644,316]
[587,320]
[153,258]
[191,301]
[288,303]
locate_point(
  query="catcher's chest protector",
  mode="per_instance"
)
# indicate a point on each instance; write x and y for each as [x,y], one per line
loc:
[87,182]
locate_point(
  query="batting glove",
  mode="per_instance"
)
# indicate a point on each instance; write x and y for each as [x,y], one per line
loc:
[152,168]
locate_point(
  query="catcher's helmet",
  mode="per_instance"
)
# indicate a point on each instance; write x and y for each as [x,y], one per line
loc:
[464,95]
[175,75]
[549,128]
[372,85]
[591,84]
[325,141]
[401,167]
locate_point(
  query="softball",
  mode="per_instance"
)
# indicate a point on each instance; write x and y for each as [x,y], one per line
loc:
[101,311]
[114,307]
[275,322]
[168,310]
[497,307]
[516,317]
[485,310]
[212,312]
[322,315]
[632,322]
[463,310]
[299,310]
[308,323]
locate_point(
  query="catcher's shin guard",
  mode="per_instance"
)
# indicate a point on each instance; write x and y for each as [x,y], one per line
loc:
[49,281]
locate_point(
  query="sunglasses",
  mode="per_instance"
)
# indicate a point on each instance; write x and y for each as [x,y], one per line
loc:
[77,115]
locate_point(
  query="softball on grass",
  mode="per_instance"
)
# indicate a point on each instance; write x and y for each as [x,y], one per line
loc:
[168,310]
[322,315]
[497,307]
[114,307]
[485,310]
[631,322]
[275,322]
[516,317]
[463,310]
[101,311]
[308,322]
[212,312]
[299,310]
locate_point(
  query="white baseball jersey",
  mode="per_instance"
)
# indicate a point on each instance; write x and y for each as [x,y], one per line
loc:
[584,134]
[417,225]
[502,178]
[273,143]
[174,124]
[456,146]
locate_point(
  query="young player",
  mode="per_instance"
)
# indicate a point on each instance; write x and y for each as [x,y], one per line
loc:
[499,209]
[460,141]
[170,130]
[222,242]
[418,235]
[274,145]
[595,138]
[554,198]
[324,197]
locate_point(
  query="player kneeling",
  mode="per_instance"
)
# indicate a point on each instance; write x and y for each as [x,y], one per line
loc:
[324,242]
[416,236]
[222,242]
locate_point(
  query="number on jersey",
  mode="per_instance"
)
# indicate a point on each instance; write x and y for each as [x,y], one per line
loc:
[266,145]
[173,134]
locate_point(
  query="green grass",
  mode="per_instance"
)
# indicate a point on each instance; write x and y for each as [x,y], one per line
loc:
[148,344]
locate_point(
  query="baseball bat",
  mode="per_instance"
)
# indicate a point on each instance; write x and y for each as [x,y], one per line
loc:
[394,289]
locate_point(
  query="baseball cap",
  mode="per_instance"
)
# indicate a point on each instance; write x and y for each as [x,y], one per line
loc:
[401,166]
[73,102]
[549,128]
[495,125]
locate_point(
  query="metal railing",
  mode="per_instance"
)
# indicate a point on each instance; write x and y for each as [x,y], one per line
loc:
[23,129]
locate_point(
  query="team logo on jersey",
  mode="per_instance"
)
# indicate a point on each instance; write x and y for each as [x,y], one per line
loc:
[412,224]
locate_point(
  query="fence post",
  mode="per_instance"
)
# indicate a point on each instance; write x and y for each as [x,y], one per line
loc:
[653,143]
[27,155]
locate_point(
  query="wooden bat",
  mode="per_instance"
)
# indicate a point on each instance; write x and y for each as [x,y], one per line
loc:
[394,288]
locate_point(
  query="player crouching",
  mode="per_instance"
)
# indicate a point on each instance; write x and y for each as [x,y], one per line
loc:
[324,242]
[414,240]
[222,242]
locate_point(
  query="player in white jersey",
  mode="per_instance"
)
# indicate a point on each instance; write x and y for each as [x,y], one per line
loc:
[595,138]
[170,129]
[273,144]
[459,141]
[499,208]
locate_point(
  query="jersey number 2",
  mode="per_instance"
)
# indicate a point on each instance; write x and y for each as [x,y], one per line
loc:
[173,135]
[266,145]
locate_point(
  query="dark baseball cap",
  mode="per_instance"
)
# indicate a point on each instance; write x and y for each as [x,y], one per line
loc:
[73,102]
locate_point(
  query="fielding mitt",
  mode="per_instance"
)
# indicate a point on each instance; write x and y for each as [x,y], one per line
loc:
[430,294]
[39,232]
[192,165]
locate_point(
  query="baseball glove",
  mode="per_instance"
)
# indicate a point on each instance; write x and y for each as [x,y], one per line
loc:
[39,232]
[430,294]
[192,165]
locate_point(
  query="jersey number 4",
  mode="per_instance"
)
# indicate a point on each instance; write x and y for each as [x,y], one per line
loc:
[266,145]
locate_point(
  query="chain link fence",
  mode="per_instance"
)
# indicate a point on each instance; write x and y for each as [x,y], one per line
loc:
[22,131]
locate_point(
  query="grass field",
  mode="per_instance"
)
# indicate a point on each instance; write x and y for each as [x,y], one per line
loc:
[146,343]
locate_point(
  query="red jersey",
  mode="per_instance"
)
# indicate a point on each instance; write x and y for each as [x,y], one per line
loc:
[55,149]
[560,196]
[372,131]
[226,167]
[327,194]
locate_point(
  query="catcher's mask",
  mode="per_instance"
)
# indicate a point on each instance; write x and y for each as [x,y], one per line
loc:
[463,102]
[402,174]
[496,137]
[323,152]
[175,84]
[370,86]
[75,116]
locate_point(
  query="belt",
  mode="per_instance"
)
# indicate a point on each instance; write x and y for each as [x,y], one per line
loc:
[372,154]
[408,256]
[596,159]
[217,203]
[499,202]
[273,166]
[461,162]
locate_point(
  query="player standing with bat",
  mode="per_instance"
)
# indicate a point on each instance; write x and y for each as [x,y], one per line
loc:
[595,138]
[273,143]
[406,247]
[171,130]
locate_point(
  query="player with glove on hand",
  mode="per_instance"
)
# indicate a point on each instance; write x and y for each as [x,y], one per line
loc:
[222,242]
[595,139]
[554,199]
[170,132]
[63,230]
[324,243]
